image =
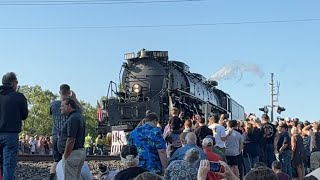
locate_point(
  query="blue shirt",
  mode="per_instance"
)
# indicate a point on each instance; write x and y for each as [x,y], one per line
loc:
[148,139]
[181,152]
[58,119]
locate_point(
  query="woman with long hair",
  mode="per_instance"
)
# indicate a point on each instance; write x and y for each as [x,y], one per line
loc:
[298,152]
[251,147]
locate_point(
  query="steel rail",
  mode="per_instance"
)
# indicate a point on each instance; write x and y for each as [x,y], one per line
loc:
[44,158]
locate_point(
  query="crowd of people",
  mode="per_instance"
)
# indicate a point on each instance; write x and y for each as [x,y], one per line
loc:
[44,144]
[35,144]
[186,148]
[253,148]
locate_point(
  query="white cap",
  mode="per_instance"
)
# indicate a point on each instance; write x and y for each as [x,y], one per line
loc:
[287,119]
[206,142]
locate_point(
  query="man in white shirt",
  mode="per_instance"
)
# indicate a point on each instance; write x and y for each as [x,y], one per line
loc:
[219,132]
[85,172]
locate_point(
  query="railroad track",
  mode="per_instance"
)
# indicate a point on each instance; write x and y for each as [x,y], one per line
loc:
[42,158]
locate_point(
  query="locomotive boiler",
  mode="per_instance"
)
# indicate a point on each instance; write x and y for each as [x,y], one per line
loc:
[150,81]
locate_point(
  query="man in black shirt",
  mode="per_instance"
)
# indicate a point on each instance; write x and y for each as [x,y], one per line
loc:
[71,140]
[268,132]
[202,131]
[284,149]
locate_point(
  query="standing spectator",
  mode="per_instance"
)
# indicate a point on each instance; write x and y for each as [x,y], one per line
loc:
[187,126]
[191,140]
[276,167]
[285,150]
[314,134]
[40,145]
[58,122]
[88,142]
[207,144]
[202,131]
[47,145]
[215,150]
[183,138]
[26,145]
[268,131]
[219,132]
[251,147]
[306,142]
[234,145]
[71,140]
[298,152]
[33,144]
[99,144]
[13,109]
[277,138]
[172,136]
[51,145]
[257,128]
[150,144]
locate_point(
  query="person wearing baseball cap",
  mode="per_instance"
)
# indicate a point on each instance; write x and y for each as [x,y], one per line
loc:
[216,150]
[207,144]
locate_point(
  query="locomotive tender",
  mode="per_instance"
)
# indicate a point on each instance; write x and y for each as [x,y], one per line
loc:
[151,82]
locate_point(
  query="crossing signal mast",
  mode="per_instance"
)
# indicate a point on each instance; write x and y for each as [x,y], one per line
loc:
[274,99]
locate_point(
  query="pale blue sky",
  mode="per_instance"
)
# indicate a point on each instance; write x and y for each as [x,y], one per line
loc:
[88,59]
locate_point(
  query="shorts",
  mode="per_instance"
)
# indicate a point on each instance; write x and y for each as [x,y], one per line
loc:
[233,160]
[57,156]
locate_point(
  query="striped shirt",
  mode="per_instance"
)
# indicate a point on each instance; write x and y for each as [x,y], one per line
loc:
[57,118]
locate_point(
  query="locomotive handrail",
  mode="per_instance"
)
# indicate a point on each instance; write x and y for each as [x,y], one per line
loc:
[110,89]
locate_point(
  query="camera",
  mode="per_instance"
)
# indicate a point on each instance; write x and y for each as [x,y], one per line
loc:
[215,166]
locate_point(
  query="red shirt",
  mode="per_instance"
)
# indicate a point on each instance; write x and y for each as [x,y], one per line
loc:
[212,157]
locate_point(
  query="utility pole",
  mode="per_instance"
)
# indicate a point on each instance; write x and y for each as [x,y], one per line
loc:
[274,98]
[272,95]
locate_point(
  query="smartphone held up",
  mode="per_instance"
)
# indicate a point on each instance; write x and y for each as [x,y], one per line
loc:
[215,166]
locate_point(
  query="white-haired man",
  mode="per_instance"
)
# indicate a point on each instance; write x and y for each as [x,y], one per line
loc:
[191,140]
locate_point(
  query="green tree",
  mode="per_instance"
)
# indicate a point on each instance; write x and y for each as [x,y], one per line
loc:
[39,121]
[90,115]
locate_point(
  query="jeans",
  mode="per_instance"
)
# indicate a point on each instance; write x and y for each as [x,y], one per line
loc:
[285,159]
[268,154]
[249,162]
[9,143]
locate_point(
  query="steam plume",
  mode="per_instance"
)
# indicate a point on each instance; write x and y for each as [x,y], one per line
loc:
[236,70]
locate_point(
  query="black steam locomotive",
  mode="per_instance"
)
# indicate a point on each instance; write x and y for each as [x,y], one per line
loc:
[151,82]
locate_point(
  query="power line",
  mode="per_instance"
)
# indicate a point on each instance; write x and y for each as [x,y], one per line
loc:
[160,26]
[62,1]
[87,2]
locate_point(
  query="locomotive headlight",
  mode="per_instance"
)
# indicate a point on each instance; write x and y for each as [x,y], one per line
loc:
[136,88]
